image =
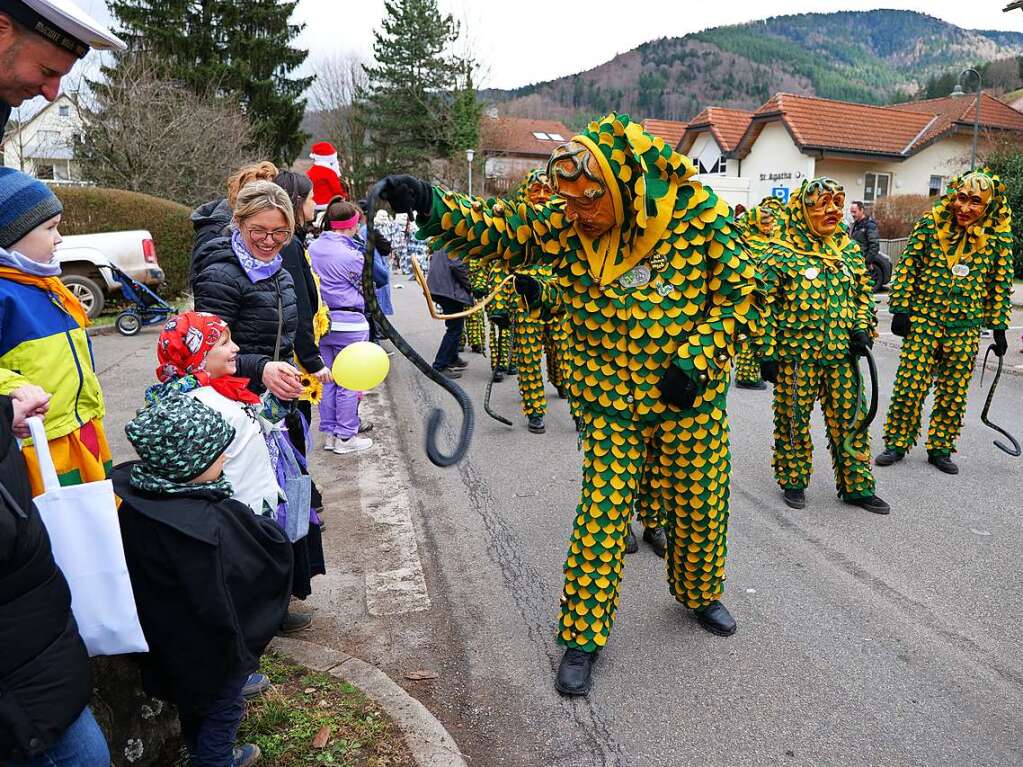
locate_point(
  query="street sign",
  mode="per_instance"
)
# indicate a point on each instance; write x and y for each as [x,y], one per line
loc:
[781,192]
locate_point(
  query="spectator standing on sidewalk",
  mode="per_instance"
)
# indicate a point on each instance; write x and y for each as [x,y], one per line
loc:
[448,280]
[213,218]
[44,670]
[338,260]
[38,46]
[865,232]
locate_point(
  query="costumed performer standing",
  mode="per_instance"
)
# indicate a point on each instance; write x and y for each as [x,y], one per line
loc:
[954,276]
[759,226]
[657,291]
[818,320]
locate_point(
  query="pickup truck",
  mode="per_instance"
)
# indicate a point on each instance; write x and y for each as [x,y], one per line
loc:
[82,255]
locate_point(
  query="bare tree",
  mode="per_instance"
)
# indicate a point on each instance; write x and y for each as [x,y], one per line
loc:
[148,134]
[338,98]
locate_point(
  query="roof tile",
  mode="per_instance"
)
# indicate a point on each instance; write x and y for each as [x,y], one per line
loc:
[515,135]
[669,130]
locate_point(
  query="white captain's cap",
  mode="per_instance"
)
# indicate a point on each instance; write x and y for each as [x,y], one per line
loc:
[62,23]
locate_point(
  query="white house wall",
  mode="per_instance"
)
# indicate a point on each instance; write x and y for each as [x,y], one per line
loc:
[774,163]
[47,137]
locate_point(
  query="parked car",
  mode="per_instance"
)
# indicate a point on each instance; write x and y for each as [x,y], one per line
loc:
[81,257]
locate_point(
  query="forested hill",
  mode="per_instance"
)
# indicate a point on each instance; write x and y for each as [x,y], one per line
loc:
[870,57]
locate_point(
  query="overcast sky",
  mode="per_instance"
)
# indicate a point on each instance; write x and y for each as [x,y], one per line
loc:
[525,41]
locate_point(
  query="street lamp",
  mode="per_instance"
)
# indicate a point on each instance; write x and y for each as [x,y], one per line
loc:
[957,92]
[469,154]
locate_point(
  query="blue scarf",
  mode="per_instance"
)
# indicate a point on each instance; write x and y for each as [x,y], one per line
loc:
[255,270]
[15,260]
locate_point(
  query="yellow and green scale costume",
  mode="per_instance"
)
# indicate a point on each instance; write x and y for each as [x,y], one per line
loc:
[475,329]
[747,366]
[818,293]
[502,307]
[668,284]
[950,282]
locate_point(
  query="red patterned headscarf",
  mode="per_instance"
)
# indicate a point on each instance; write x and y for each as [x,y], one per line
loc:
[185,343]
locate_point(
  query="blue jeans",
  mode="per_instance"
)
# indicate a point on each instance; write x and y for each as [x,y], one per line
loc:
[209,732]
[81,745]
[448,351]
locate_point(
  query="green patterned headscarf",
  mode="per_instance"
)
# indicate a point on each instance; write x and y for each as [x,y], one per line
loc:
[995,223]
[794,229]
[178,439]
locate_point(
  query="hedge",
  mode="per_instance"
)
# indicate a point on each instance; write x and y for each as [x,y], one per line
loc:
[91,210]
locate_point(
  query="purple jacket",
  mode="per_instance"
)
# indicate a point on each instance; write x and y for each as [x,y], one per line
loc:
[338,260]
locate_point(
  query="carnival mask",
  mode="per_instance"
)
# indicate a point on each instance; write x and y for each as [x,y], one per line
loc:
[766,223]
[576,176]
[539,190]
[972,198]
[823,205]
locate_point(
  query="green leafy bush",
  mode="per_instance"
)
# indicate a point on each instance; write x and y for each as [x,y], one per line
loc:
[91,210]
[1007,162]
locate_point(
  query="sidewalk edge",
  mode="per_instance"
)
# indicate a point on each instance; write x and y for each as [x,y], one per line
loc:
[431,744]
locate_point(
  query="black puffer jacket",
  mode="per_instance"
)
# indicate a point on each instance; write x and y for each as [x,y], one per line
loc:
[44,668]
[211,219]
[255,311]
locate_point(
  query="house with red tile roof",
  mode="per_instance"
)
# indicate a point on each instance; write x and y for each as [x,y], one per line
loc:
[669,130]
[873,151]
[513,146]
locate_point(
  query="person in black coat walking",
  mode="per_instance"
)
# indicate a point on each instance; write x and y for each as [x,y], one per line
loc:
[448,280]
[45,682]
[211,579]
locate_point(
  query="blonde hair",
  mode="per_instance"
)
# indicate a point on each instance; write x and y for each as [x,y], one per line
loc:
[260,196]
[260,171]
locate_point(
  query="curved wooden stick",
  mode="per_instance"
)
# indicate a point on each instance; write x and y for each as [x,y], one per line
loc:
[417,270]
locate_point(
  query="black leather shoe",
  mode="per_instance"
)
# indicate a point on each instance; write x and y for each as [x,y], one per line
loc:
[795,499]
[575,672]
[888,457]
[459,364]
[716,619]
[754,385]
[657,539]
[631,544]
[563,391]
[498,376]
[536,424]
[450,373]
[476,349]
[872,504]
[294,622]
[944,463]
[513,371]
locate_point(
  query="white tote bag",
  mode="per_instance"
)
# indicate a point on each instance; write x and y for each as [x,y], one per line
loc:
[86,538]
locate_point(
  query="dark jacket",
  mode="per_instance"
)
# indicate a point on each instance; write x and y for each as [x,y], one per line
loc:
[44,667]
[449,278]
[307,297]
[5,115]
[253,310]
[211,219]
[212,582]
[865,232]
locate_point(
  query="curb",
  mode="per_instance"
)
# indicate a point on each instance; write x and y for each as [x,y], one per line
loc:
[431,744]
[100,330]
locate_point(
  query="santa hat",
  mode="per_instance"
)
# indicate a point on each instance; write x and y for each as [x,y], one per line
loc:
[325,155]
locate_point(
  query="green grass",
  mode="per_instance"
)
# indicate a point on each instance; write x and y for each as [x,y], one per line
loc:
[286,719]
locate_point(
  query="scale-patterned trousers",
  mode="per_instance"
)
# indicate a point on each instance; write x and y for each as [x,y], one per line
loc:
[476,332]
[535,338]
[499,338]
[693,465]
[798,387]
[931,354]
[747,366]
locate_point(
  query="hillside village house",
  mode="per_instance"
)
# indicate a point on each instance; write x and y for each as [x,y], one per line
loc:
[513,146]
[873,151]
[670,131]
[43,145]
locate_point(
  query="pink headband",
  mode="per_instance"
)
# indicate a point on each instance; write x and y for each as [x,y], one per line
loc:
[347,223]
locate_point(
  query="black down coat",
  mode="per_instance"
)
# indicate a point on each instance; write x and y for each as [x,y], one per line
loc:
[212,582]
[210,220]
[44,667]
[255,311]
[308,297]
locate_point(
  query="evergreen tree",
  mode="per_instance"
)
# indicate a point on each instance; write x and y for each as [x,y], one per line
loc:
[241,47]
[409,87]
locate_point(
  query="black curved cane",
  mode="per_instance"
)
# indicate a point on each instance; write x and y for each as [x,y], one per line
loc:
[861,424]
[490,384]
[1015,450]
[436,417]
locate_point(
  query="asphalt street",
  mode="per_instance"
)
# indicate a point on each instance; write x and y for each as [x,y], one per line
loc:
[863,640]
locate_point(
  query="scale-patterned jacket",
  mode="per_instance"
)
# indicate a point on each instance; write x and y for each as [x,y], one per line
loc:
[673,285]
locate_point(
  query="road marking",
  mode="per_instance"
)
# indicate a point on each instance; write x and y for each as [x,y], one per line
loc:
[395,583]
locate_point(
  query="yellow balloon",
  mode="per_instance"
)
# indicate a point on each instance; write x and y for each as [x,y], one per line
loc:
[361,366]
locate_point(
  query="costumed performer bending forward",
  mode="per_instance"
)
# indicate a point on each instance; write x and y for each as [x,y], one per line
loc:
[657,292]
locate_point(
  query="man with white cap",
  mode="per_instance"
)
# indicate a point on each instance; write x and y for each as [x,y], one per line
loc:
[40,40]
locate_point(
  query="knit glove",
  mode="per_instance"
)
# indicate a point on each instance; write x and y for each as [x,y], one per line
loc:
[1001,345]
[769,371]
[900,324]
[678,389]
[406,194]
[528,288]
[502,321]
[860,343]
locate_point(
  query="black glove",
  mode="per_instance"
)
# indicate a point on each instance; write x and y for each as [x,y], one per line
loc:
[528,288]
[479,292]
[860,343]
[900,324]
[502,321]
[769,371]
[678,389]
[406,194]
[1001,345]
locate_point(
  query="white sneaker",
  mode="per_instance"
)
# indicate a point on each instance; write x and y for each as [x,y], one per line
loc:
[328,442]
[352,445]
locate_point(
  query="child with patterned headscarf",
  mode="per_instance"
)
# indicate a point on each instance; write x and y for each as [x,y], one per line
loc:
[197,356]
[211,579]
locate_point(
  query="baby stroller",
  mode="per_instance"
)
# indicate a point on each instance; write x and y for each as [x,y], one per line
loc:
[145,306]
